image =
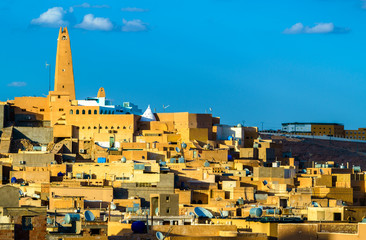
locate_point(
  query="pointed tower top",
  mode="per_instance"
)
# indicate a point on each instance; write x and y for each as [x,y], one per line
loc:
[101,92]
[64,74]
[148,115]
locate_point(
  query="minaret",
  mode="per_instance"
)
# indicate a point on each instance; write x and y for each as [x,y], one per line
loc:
[64,74]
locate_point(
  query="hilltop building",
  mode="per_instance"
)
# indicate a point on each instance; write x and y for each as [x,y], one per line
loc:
[315,129]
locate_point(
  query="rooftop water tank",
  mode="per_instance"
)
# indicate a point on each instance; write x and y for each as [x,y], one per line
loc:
[256,212]
[71,217]
[138,227]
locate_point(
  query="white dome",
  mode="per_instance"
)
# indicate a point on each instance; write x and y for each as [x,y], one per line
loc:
[148,115]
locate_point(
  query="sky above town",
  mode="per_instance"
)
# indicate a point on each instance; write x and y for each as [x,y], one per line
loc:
[245,61]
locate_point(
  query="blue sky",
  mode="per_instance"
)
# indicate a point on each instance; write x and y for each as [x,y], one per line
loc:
[253,61]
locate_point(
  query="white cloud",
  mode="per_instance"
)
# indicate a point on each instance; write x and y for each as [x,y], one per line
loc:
[95,23]
[17,84]
[134,9]
[135,25]
[53,17]
[87,5]
[318,28]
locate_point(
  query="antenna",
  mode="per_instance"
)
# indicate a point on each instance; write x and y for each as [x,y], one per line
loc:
[262,125]
[165,107]
[49,75]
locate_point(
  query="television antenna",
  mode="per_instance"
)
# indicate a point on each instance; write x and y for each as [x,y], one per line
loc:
[48,65]
[165,107]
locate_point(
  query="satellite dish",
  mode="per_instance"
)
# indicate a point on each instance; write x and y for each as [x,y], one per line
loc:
[160,236]
[113,206]
[315,204]
[177,149]
[89,216]
[184,145]
[123,159]
[265,182]
[202,212]
[206,164]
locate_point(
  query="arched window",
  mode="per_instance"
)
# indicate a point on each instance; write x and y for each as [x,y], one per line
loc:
[95,111]
[101,111]
[109,112]
[89,111]
[83,112]
[77,111]
[71,111]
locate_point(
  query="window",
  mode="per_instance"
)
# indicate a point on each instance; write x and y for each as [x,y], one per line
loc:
[60,109]
[64,38]
[77,111]
[168,210]
[27,223]
[167,199]
[41,110]
[89,111]
[83,112]
[95,112]
[71,111]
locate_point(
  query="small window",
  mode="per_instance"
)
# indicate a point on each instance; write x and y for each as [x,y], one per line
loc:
[71,111]
[41,110]
[168,210]
[95,127]
[77,111]
[117,127]
[106,127]
[167,199]
[89,111]
[64,38]
[27,223]
[60,109]
[58,96]
[83,112]
[95,112]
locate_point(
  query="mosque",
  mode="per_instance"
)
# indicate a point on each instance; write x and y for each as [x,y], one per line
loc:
[50,110]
